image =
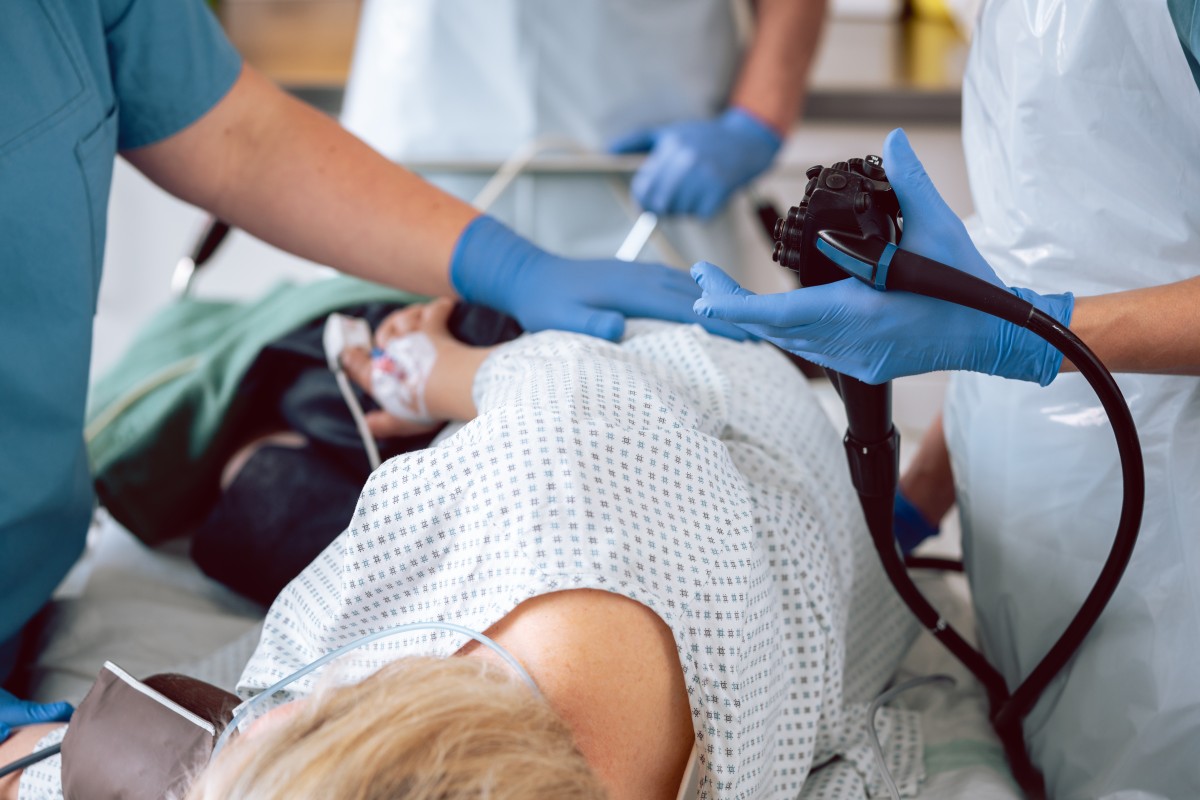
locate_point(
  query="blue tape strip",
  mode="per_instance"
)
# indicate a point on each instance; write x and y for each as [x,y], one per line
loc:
[885,261]
[859,269]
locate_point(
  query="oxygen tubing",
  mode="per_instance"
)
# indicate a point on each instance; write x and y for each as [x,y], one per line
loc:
[31,759]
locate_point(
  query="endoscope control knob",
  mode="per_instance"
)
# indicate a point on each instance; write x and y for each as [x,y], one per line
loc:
[850,197]
[874,168]
[794,221]
[836,180]
[783,254]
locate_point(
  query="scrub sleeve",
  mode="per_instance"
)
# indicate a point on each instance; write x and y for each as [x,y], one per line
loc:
[79,79]
[1185,15]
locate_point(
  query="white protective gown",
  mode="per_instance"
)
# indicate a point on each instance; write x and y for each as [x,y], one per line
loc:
[478,79]
[1082,133]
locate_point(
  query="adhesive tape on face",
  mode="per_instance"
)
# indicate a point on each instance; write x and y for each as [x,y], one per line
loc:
[399,375]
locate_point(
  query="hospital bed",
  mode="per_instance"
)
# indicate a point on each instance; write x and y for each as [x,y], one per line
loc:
[152,610]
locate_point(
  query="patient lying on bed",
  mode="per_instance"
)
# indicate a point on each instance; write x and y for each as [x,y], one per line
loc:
[662,532]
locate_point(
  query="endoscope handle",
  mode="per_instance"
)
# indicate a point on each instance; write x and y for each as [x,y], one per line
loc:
[882,265]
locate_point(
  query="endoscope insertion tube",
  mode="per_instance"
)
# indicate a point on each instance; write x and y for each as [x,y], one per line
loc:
[884,266]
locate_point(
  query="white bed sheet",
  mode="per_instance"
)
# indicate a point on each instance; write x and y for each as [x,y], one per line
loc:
[146,610]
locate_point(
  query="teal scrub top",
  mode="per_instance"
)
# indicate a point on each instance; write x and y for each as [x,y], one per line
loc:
[79,80]
[1186,16]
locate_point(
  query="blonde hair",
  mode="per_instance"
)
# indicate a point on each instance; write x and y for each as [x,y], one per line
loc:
[421,729]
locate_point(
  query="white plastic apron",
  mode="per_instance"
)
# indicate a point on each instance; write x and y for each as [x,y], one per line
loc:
[477,79]
[1082,136]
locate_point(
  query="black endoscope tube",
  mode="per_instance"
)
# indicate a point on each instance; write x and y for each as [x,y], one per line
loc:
[912,273]
[879,522]
[928,562]
[1133,475]
[862,251]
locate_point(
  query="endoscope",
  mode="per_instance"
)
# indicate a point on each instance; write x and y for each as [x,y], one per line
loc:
[850,224]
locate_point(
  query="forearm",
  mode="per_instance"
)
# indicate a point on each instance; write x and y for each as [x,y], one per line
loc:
[1156,329]
[19,745]
[928,482]
[288,174]
[449,393]
[774,77]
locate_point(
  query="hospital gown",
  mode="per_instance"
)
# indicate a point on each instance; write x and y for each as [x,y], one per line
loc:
[695,475]
[692,474]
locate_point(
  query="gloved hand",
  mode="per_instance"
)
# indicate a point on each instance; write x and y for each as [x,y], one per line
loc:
[877,336]
[495,267]
[695,166]
[15,713]
[910,526]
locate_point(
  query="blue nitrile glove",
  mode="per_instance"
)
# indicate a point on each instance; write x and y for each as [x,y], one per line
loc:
[877,336]
[495,267]
[16,713]
[695,166]
[909,525]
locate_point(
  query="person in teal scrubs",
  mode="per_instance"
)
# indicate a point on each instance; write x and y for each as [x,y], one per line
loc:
[157,81]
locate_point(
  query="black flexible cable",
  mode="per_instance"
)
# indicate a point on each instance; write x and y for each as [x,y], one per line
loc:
[913,273]
[1134,479]
[927,562]
[879,514]
[30,760]
[879,521]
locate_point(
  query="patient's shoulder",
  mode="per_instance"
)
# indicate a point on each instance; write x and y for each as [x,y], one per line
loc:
[610,667]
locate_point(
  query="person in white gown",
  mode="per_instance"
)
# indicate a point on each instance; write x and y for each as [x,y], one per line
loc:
[476,80]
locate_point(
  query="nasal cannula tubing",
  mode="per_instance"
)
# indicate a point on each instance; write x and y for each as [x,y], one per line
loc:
[241,715]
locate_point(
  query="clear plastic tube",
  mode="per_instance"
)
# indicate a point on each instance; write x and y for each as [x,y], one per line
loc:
[241,715]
